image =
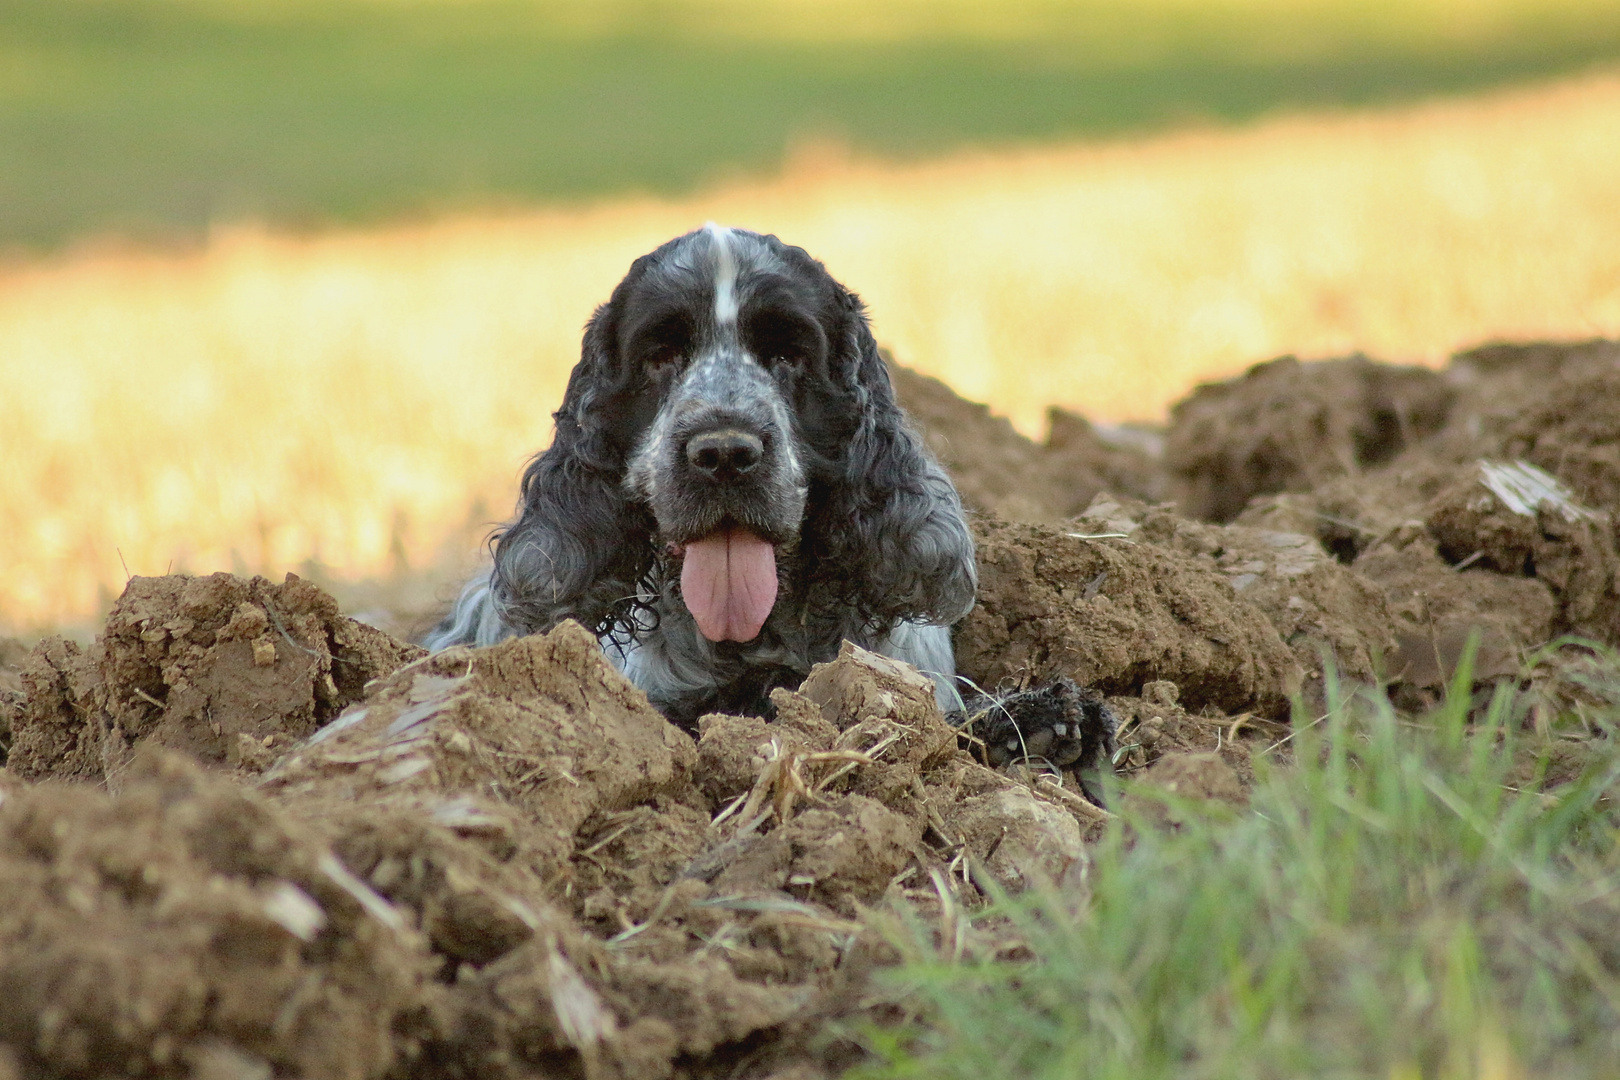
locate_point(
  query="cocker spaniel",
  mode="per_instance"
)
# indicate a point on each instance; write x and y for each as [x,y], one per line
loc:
[732,491]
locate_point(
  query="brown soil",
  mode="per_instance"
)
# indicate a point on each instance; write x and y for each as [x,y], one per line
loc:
[1287,426]
[244,835]
[12,655]
[495,862]
[1115,613]
[190,924]
[1454,558]
[1320,609]
[217,667]
[1000,472]
[1556,406]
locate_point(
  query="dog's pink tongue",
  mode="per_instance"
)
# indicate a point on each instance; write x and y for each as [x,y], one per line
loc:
[729,583]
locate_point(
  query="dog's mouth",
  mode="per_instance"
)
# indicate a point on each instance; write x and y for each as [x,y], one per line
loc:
[728,580]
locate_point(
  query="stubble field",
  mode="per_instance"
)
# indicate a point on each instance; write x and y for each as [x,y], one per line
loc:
[357,404]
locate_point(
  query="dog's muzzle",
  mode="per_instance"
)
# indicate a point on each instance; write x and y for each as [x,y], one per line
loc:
[728,574]
[721,471]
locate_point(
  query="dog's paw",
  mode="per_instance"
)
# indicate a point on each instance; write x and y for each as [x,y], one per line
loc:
[1058,724]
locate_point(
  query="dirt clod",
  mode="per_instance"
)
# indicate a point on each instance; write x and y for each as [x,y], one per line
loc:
[1554,404]
[57,731]
[1115,613]
[1001,472]
[1514,518]
[199,665]
[1193,783]
[1323,611]
[1288,426]
[187,919]
[853,846]
[1023,840]
[544,724]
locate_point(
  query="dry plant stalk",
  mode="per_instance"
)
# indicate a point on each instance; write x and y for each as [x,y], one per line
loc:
[782,780]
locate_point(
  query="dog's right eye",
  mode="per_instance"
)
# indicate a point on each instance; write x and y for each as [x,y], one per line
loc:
[782,340]
[665,343]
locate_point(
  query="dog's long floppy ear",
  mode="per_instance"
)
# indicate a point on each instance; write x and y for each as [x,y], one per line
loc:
[891,531]
[579,549]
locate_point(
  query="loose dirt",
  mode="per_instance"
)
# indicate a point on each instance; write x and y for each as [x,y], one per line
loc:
[491,862]
[243,835]
[1000,472]
[218,667]
[1115,613]
[1288,426]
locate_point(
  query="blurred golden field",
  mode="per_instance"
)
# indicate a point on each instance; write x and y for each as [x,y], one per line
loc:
[360,403]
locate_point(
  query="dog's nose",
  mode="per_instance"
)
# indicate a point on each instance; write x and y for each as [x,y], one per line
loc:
[725,453]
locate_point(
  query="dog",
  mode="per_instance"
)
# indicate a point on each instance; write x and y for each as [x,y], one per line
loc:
[732,491]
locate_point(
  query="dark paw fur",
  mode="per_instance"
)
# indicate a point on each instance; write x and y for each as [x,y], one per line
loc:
[1059,724]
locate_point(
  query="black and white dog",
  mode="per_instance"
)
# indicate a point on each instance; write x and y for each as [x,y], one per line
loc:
[732,491]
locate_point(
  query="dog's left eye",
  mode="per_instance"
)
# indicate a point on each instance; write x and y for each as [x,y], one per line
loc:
[781,341]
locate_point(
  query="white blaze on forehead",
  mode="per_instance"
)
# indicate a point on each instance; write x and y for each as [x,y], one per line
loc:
[725,274]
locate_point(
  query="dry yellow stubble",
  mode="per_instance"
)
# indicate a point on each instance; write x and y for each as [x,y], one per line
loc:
[365,400]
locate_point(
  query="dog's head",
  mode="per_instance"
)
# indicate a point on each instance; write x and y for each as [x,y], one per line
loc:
[730,407]
[727,325]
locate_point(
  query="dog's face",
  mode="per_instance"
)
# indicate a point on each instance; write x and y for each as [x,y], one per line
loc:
[730,427]
[726,328]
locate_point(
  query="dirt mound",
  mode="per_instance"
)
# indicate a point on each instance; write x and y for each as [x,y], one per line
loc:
[1292,427]
[1288,426]
[1180,786]
[1436,609]
[1319,608]
[496,862]
[1116,612]
[187,925]
[216,666]
[1498,547]
[1000,472]
[12,655]
[1348,514]
[1397,473]
[769,839]
[1515,519]
[1388,469]
[544,724]
[1554,405]
[1495,510]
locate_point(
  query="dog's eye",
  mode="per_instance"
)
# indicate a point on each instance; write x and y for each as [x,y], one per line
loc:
[663,356]
[664,342]
[781,341]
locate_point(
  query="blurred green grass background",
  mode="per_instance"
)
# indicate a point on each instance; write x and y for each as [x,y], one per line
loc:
[154,119]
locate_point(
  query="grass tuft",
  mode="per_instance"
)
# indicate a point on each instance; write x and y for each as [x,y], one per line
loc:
[1394,903]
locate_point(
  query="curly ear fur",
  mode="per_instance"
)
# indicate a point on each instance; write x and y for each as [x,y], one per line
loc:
[887,527]
[579,548]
